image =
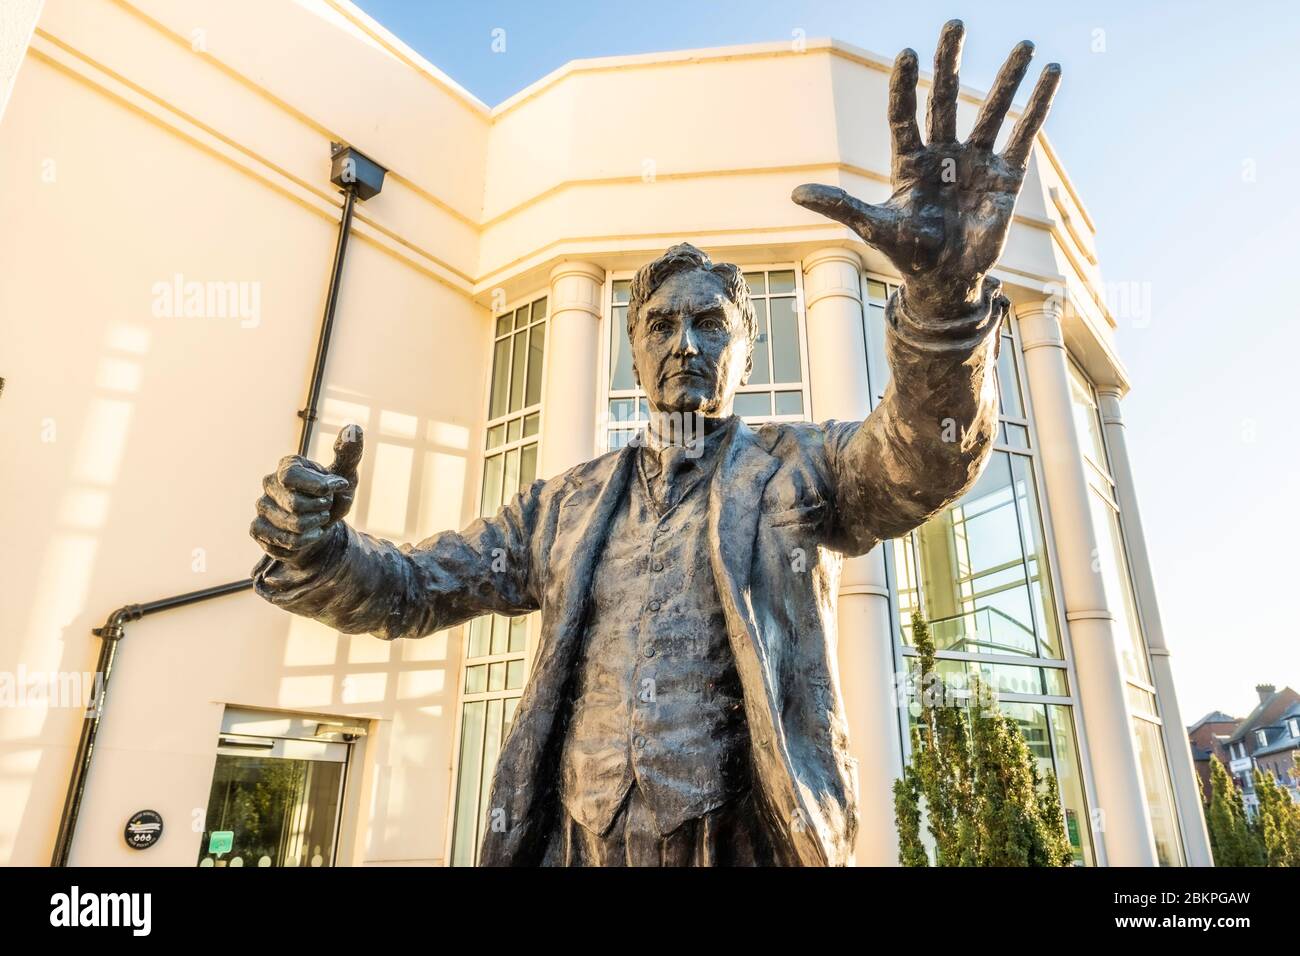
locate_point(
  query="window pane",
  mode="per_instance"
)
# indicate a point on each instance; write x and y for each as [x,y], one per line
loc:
[536,351]
[492,484]
[512,429]
[497,676]
[620,352]
[762,374]
[622,291]
[750,404]
[539,309]
[500,633]
[510,483]
[876,291]
[786,366]
[789,403]
[500,379]
[622,410]
[1068,779]
[496,435]
[979,585]
[1009,382]
[756,282]
[464,835]
[1017,436]
[518,634]
[1035,546]
[1086,419]
[782,281]
[877,366]
[1119,592]
[517,371]
[478,637]
[521,316]
[491,750]
[530,424]
[1159,794]
[503,323]
[476,679]
[515,674]
[527,466]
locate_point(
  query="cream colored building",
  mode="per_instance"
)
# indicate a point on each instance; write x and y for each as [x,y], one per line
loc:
[169,226]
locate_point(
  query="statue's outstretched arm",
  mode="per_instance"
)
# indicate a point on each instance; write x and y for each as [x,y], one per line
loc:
[942,229]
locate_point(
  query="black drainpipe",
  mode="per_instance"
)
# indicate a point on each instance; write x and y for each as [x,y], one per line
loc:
[360,178]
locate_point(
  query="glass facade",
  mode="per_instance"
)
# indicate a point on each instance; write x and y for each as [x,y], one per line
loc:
[980,574]
[1111,563]
[496,647]
[777,389]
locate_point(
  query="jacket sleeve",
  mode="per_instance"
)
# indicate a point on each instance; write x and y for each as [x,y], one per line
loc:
[929,439]
[362,584]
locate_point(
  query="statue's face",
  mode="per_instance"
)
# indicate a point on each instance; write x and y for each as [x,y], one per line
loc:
[690,346]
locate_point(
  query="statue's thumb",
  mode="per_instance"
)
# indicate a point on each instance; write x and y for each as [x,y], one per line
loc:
[347,453]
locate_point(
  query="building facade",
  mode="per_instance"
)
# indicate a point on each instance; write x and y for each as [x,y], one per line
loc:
[156,153]
[1266,740]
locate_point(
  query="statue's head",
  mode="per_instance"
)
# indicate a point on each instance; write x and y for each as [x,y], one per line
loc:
[692,328]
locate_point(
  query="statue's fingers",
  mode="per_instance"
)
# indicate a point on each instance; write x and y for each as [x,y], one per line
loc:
[295,521]
[347,452]
[902,104]
[875,224]
[941,114]
[307,478]
[265,533]
[291,500]
[1031,120]
[995,107]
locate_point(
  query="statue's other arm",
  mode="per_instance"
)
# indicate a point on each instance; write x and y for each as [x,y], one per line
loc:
[357,583]
[943,229]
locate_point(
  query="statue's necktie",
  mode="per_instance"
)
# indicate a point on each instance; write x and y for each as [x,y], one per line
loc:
[665,470]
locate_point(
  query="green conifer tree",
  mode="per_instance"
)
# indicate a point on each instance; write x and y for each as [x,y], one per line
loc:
[975,782]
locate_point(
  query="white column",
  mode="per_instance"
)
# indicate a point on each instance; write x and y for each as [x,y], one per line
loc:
[838,368]
[573,359]
[1124,822]
[1187,793]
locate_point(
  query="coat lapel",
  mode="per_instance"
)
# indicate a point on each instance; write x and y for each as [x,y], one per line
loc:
[735,503]
[581,525]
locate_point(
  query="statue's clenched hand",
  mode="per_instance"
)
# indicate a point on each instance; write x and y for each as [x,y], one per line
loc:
[947,221]
[303,501]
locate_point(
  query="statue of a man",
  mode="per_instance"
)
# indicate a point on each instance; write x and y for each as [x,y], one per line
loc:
[684,705]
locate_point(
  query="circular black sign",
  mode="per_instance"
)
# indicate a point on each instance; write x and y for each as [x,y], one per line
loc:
[144,829]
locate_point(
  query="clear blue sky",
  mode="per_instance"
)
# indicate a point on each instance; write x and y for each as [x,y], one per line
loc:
[1156,132]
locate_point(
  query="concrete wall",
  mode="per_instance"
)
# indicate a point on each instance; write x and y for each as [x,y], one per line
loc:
[135,438]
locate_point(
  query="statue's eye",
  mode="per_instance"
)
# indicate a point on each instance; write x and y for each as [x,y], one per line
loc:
[660,326]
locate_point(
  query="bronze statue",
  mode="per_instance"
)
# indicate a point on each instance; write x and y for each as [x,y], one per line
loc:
[684,706]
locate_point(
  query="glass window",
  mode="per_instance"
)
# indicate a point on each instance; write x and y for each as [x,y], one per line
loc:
[979,568]
[277,789]
[1113,568]
[495,646]
[776,388]
[1087,421]
[1159,793]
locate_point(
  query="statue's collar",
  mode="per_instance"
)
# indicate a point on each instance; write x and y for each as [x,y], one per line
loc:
[694,431]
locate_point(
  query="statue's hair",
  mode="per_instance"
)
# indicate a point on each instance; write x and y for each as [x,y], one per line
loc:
[684,257]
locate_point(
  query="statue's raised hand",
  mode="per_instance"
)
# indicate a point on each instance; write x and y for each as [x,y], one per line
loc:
[947,221]
[303,501]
